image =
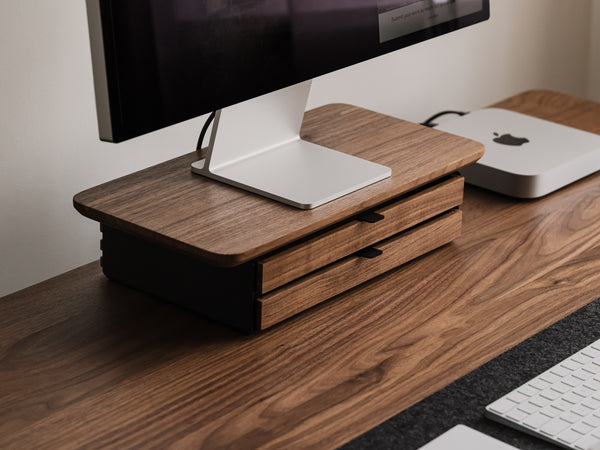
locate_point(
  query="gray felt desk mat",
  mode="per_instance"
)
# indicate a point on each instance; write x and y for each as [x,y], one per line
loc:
[464,400]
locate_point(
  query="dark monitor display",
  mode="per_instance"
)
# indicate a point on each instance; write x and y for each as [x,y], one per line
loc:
[160,62]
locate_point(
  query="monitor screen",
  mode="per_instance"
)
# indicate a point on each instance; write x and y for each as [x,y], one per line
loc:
[160,62]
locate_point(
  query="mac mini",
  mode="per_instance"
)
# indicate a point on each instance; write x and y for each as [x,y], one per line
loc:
[525,157]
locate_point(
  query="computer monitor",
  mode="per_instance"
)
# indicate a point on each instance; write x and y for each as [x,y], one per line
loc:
[160,62]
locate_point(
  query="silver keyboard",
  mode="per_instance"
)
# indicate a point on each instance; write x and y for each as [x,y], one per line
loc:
[562,405]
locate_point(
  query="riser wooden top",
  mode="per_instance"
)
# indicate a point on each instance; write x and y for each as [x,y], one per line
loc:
[227,226]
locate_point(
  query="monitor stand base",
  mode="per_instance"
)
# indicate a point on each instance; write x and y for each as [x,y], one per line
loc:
[259,149]
[299,174]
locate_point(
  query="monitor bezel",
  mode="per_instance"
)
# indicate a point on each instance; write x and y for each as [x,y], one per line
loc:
[109,103]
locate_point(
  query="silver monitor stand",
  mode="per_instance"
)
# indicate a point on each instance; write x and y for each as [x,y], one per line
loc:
[255,145]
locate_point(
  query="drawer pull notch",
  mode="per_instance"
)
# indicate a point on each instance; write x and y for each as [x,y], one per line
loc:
[369,252]
[370,217]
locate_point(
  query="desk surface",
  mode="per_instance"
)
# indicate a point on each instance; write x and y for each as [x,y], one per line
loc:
[85,361]
[464,400]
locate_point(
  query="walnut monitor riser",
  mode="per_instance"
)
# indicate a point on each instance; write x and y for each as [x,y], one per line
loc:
[250,262]
[240,296]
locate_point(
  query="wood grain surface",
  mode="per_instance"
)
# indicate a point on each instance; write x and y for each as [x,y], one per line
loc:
[326,247]
[85,362]
[354,270]
[227,226]
[565,109]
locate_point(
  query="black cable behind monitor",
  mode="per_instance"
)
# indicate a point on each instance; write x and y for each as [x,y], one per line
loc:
[429,122]
[209,120]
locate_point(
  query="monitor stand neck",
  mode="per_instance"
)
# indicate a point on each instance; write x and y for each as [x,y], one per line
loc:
[256,146]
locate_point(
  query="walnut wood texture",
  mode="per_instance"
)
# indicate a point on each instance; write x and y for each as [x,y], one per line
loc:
[329,246]
[565,109]
[87,362]
[354,270]
[227,226]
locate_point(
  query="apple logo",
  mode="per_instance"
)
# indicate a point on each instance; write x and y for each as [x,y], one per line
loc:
[509,139]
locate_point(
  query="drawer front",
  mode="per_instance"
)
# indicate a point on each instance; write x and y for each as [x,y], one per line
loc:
[294,262]
[354,270]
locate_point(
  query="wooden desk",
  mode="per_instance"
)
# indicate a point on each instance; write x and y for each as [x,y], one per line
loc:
[87,362]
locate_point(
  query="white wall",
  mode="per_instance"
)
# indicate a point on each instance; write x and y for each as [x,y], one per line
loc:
[526,44]
[48,140]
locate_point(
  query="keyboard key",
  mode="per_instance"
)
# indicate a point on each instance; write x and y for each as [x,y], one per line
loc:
[583,374]
[569,436]
[502,406]
[591,403]
[572,398]
[582,428]
[517,414]
[550,394]
[583,392]
[592,421]
[563,372]
[531,391]
[530,408]
[536,420]
[517,397]
[570,417]
[592,368]
[540,385]
[540,401]
[586,443]
[571,365]
[555,426]
[549,377]
[591,352]
[550,411]
[593,384]
[572,381]
[581,410]
[561,387]
[562,405]
[581,358]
